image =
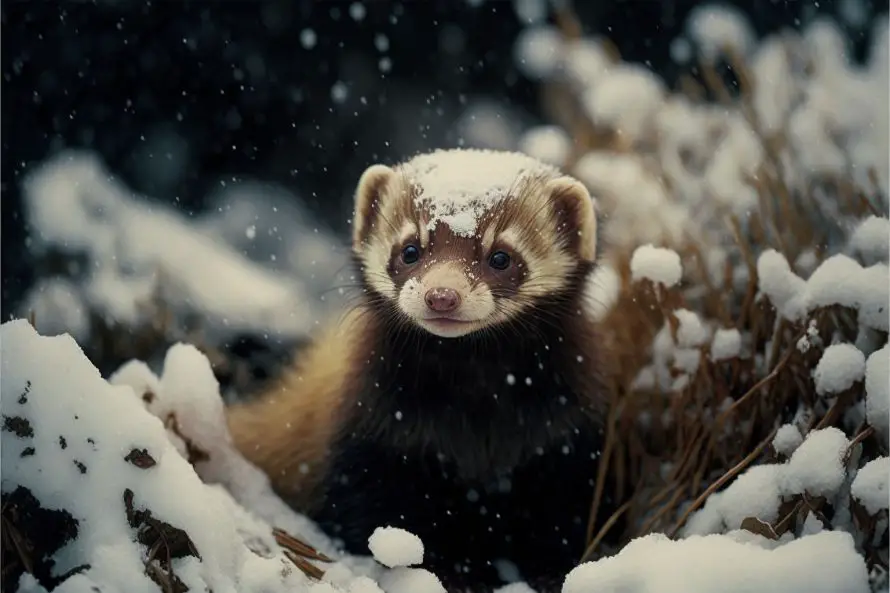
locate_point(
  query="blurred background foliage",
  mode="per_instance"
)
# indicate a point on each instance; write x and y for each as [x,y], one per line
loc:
[178,98]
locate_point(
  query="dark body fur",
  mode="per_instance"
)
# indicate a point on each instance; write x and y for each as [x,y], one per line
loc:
[439,442]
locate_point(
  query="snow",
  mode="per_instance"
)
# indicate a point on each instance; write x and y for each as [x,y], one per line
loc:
[393,547]
[692,332]
[657,264]
[74,403]
[870,486]
[538,51]
[631,193]
[727,343]
[871,239]
[339,92]
[549,144]
[530,11]
[586,61]
[71,456]
[838,280]
[625,99]
[841,366]
[680,168]
[411,580]
[58,307]
[816,467]
[686,360]
[835,282]
[137,249]
[308,38]
[776,91]
[736,158]
[826,562]
[787,439]
[715,27]
[783,287]
[877,391]
[755,493]
[458,186]
[873,298]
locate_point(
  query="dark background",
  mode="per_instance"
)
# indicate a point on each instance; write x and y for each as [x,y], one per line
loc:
[228,90]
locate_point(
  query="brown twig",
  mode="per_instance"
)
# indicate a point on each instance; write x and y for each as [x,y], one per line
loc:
[299,552]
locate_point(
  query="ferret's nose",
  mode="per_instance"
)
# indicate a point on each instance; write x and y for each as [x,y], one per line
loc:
[442,299]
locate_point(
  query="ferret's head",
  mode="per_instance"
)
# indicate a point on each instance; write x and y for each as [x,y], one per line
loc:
[461,241]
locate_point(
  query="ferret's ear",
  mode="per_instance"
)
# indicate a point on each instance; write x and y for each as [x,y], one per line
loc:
[575,215]
[368,194]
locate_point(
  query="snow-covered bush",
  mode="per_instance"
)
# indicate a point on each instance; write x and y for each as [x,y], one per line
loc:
[748,227]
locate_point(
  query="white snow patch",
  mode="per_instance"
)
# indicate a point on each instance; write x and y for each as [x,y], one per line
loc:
[715,27]
[835,282]
[660,265]
[783,287]
[459,186]
[393,547]
[137,249]
[549,144]
[776,90]
[826,562]
[755,493]
[58,307]
[586,61]
[630,192]
[877,391]
[787,439]
[870,486]
[871,239]
[816,467]
[411,580]
[727,343]
[841,366]
[538,51]
[625,100]
[839,280]
[692,332]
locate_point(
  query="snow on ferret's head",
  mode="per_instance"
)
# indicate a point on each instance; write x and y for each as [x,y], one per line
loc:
[458,241]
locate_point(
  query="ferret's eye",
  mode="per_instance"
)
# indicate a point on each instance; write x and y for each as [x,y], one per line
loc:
[410,254]
[499,260]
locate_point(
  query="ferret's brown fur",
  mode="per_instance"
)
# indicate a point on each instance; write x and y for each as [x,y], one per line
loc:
[288,434]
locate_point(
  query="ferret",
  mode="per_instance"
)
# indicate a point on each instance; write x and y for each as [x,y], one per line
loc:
[460,398]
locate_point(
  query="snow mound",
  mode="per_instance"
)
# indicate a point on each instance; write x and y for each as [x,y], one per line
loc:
[824,562]
[123,464]
[138,251]
[88,449]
